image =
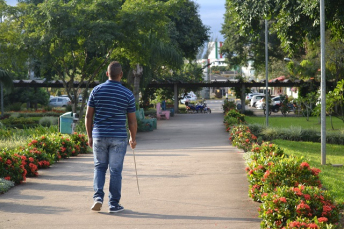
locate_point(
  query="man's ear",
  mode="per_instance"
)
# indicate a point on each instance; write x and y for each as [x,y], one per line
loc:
[107,73]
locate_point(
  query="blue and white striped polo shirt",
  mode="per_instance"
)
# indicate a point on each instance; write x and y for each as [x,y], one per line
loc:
[111,102]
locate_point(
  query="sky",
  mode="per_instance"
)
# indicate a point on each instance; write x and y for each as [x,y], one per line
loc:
[211,12]
[212,15]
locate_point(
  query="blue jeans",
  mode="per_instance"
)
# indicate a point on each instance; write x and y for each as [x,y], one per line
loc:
[108,152]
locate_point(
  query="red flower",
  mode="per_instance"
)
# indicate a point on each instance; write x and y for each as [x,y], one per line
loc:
[283,199]
[8,162]
[322,219]
[247,140]
[307,197]
[266,174]
[8,178]
[34,141]
[315,171]
[31,159]
[312,225]
[304,165]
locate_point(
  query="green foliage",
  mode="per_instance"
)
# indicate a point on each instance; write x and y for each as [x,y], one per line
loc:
[290,206]
[11,167]
[312,151]
[27,94]
[40,152]
[15,106]
[233,117]
[5,185]
[228,105]
[18,122]
[48,121]
[241,137]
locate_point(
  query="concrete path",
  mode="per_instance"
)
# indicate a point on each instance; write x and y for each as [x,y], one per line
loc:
[189,177]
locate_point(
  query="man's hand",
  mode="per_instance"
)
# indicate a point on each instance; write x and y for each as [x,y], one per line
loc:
[132,143]
[90,142]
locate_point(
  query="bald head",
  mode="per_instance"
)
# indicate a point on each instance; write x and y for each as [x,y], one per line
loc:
[114,70]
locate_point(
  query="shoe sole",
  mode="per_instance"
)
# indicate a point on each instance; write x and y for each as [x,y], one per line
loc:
[116,211]
[97,206]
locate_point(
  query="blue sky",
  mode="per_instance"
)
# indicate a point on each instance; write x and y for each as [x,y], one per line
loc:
[212,15]
[211,12]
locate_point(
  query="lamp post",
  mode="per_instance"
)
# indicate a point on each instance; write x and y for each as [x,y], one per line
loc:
[323,83]
[266,74]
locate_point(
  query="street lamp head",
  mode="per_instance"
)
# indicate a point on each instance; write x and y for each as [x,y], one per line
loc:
[287,59]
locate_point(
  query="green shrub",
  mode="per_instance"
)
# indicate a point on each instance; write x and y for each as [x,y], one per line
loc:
[15,106]
[241,137]
[80,142]
[48,108]
[18,122]
[233,117]
[256,129]
[11,167]
[228,105]
[335,138]
[48,121]
[150,112]
[15,115]
[249,113]
[5,185]
[310,135]
[288,207]
[270,133]
[68,108]
[293,133]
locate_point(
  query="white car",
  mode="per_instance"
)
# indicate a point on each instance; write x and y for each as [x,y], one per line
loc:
[274,101]
[250,95]
[256,98]
[59,101]
[188,98]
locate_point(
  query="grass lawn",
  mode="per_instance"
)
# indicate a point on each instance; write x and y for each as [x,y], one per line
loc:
[286,122]
[331,177]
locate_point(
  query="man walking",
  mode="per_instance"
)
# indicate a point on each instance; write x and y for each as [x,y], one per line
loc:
[111,104]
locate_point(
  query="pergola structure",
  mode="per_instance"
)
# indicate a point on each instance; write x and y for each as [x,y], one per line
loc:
[178,84]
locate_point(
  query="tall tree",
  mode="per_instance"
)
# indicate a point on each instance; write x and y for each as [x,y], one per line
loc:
[5,80]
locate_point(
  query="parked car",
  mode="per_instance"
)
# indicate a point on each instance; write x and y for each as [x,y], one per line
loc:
[189,97]
[274,101]
[256,98]
[250,95]
[59,101]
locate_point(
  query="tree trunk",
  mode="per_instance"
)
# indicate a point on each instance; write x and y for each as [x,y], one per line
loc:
[136,87]
[137,78]
[331,122]
[2,100]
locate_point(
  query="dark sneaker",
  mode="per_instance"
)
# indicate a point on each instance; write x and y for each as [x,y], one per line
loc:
[117,208]
[97,205]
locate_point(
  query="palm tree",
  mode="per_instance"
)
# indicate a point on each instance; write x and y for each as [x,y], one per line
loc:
[5,80]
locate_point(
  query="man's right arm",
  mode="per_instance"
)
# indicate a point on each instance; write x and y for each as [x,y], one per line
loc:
[132,123]
[89,124]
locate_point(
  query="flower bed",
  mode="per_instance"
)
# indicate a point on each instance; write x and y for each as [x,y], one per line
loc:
[289,189]
[17,164]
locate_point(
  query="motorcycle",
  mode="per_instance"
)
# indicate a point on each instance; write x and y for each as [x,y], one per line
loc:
[272,108]
[206,109]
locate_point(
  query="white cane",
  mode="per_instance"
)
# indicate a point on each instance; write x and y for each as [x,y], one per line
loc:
[137,179]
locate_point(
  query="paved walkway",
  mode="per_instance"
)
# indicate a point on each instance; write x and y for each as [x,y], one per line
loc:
[189,177]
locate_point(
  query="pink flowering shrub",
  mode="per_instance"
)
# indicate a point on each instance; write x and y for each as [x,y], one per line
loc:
[298,207]
[241,137]
[17,164]
[12,166]
[80,143]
